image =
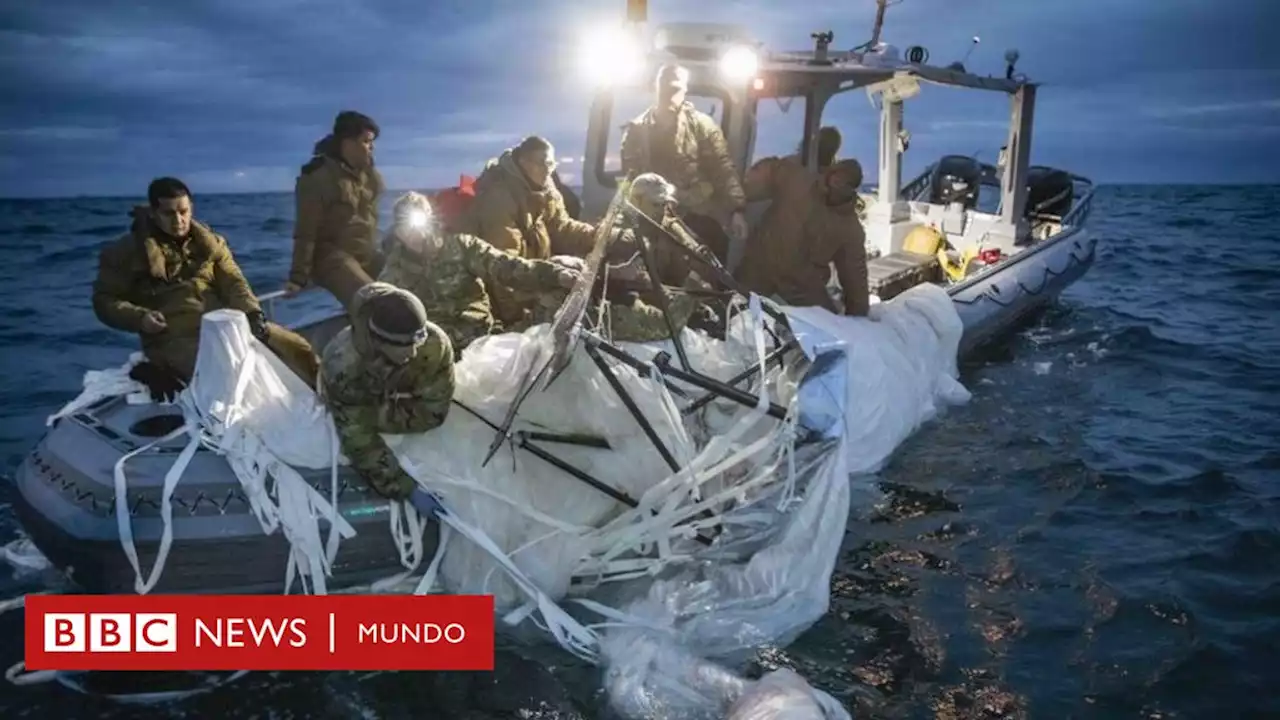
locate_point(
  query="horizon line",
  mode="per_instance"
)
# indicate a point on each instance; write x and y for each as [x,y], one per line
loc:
[87,196]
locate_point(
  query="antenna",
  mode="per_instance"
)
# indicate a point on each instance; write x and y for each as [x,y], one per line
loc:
[875,30]
[958,65]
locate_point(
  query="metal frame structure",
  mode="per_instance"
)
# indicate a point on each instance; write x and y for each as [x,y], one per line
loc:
[815,76]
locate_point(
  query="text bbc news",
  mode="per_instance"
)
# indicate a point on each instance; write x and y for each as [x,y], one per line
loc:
[242,632]
[158,632]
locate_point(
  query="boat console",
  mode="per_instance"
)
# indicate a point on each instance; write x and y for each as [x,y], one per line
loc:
[956,179]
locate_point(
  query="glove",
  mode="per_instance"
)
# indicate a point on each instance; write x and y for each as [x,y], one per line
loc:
[258,325]
[425,502]
[569,261]
[633,270]
[163,385]
[565,277]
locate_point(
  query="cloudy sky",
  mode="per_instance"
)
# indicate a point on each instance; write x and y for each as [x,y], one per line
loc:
[99,96]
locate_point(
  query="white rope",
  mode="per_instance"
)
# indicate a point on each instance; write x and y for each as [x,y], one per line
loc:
[166,507]
[569,633]
[99,384]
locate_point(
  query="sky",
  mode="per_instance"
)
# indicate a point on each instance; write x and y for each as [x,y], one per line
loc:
[97,97]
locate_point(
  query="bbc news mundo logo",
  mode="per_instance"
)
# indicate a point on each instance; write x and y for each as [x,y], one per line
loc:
[255,632]
[110,632]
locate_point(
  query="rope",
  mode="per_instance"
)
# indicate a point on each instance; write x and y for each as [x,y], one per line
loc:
[1047,274]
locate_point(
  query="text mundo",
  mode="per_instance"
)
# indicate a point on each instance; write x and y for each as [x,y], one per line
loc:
[417,633]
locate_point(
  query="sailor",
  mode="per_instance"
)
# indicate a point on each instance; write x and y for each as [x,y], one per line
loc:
[452,272]
[162,276]
[812,222]
[336,229]
[686,146]
[673,251]
[389,371]
[634,310]
[829,141]
[518,209]
[674,245]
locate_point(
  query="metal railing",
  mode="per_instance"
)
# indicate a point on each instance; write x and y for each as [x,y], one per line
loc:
[1079,212]
[268,300]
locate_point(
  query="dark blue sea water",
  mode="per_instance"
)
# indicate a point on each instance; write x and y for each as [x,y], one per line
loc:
[1097,534]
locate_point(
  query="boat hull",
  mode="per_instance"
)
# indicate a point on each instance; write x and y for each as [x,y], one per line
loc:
[65,494]
[65,500]
[995,301]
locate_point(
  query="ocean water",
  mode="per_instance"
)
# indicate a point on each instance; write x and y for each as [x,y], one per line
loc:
[1097,534]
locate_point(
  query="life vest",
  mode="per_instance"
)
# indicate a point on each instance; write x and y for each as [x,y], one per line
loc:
[450,205]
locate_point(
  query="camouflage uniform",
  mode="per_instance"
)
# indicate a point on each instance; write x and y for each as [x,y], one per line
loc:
[336,231]
[451,282]
[695,158]
[368,395]
[145,270]
[631,315]
[635,320]
[525,221]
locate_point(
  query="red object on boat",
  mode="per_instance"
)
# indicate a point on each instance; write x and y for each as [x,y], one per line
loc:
[451,204]
[990,256]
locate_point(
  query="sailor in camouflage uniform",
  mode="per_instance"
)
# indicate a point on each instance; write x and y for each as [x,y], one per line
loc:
[390,371]
[451,273]
[686,147]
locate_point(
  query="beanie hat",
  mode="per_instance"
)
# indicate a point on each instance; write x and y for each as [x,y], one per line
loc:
[350,123]
[398,318]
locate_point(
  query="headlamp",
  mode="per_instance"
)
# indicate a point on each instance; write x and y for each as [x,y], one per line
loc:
[413,339]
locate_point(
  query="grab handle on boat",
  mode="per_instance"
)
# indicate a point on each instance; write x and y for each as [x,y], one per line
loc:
[268,300]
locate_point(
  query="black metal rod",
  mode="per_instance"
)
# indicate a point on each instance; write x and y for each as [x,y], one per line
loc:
[627,400]
[567,439]
[660,296]
[703,256]
[770,360]
[504,431]
[521,442]
[663,361]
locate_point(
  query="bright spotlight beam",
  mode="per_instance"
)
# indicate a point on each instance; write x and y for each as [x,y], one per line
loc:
[610,55]
[739,64]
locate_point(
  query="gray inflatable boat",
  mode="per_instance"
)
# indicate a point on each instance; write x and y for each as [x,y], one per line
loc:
[65,500]
[65,495]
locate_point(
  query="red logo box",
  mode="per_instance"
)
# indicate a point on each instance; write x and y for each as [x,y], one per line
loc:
[259,632]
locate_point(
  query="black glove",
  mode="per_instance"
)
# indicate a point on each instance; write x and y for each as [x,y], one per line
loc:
[162,383]
[258,325]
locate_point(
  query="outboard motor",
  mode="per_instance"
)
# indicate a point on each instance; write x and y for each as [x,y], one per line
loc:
[1049,191]
[956,178]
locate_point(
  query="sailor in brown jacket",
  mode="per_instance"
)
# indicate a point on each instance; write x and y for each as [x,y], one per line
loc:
[160,278]
[811,224]
[687,148]
[518,209]
[335,237]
